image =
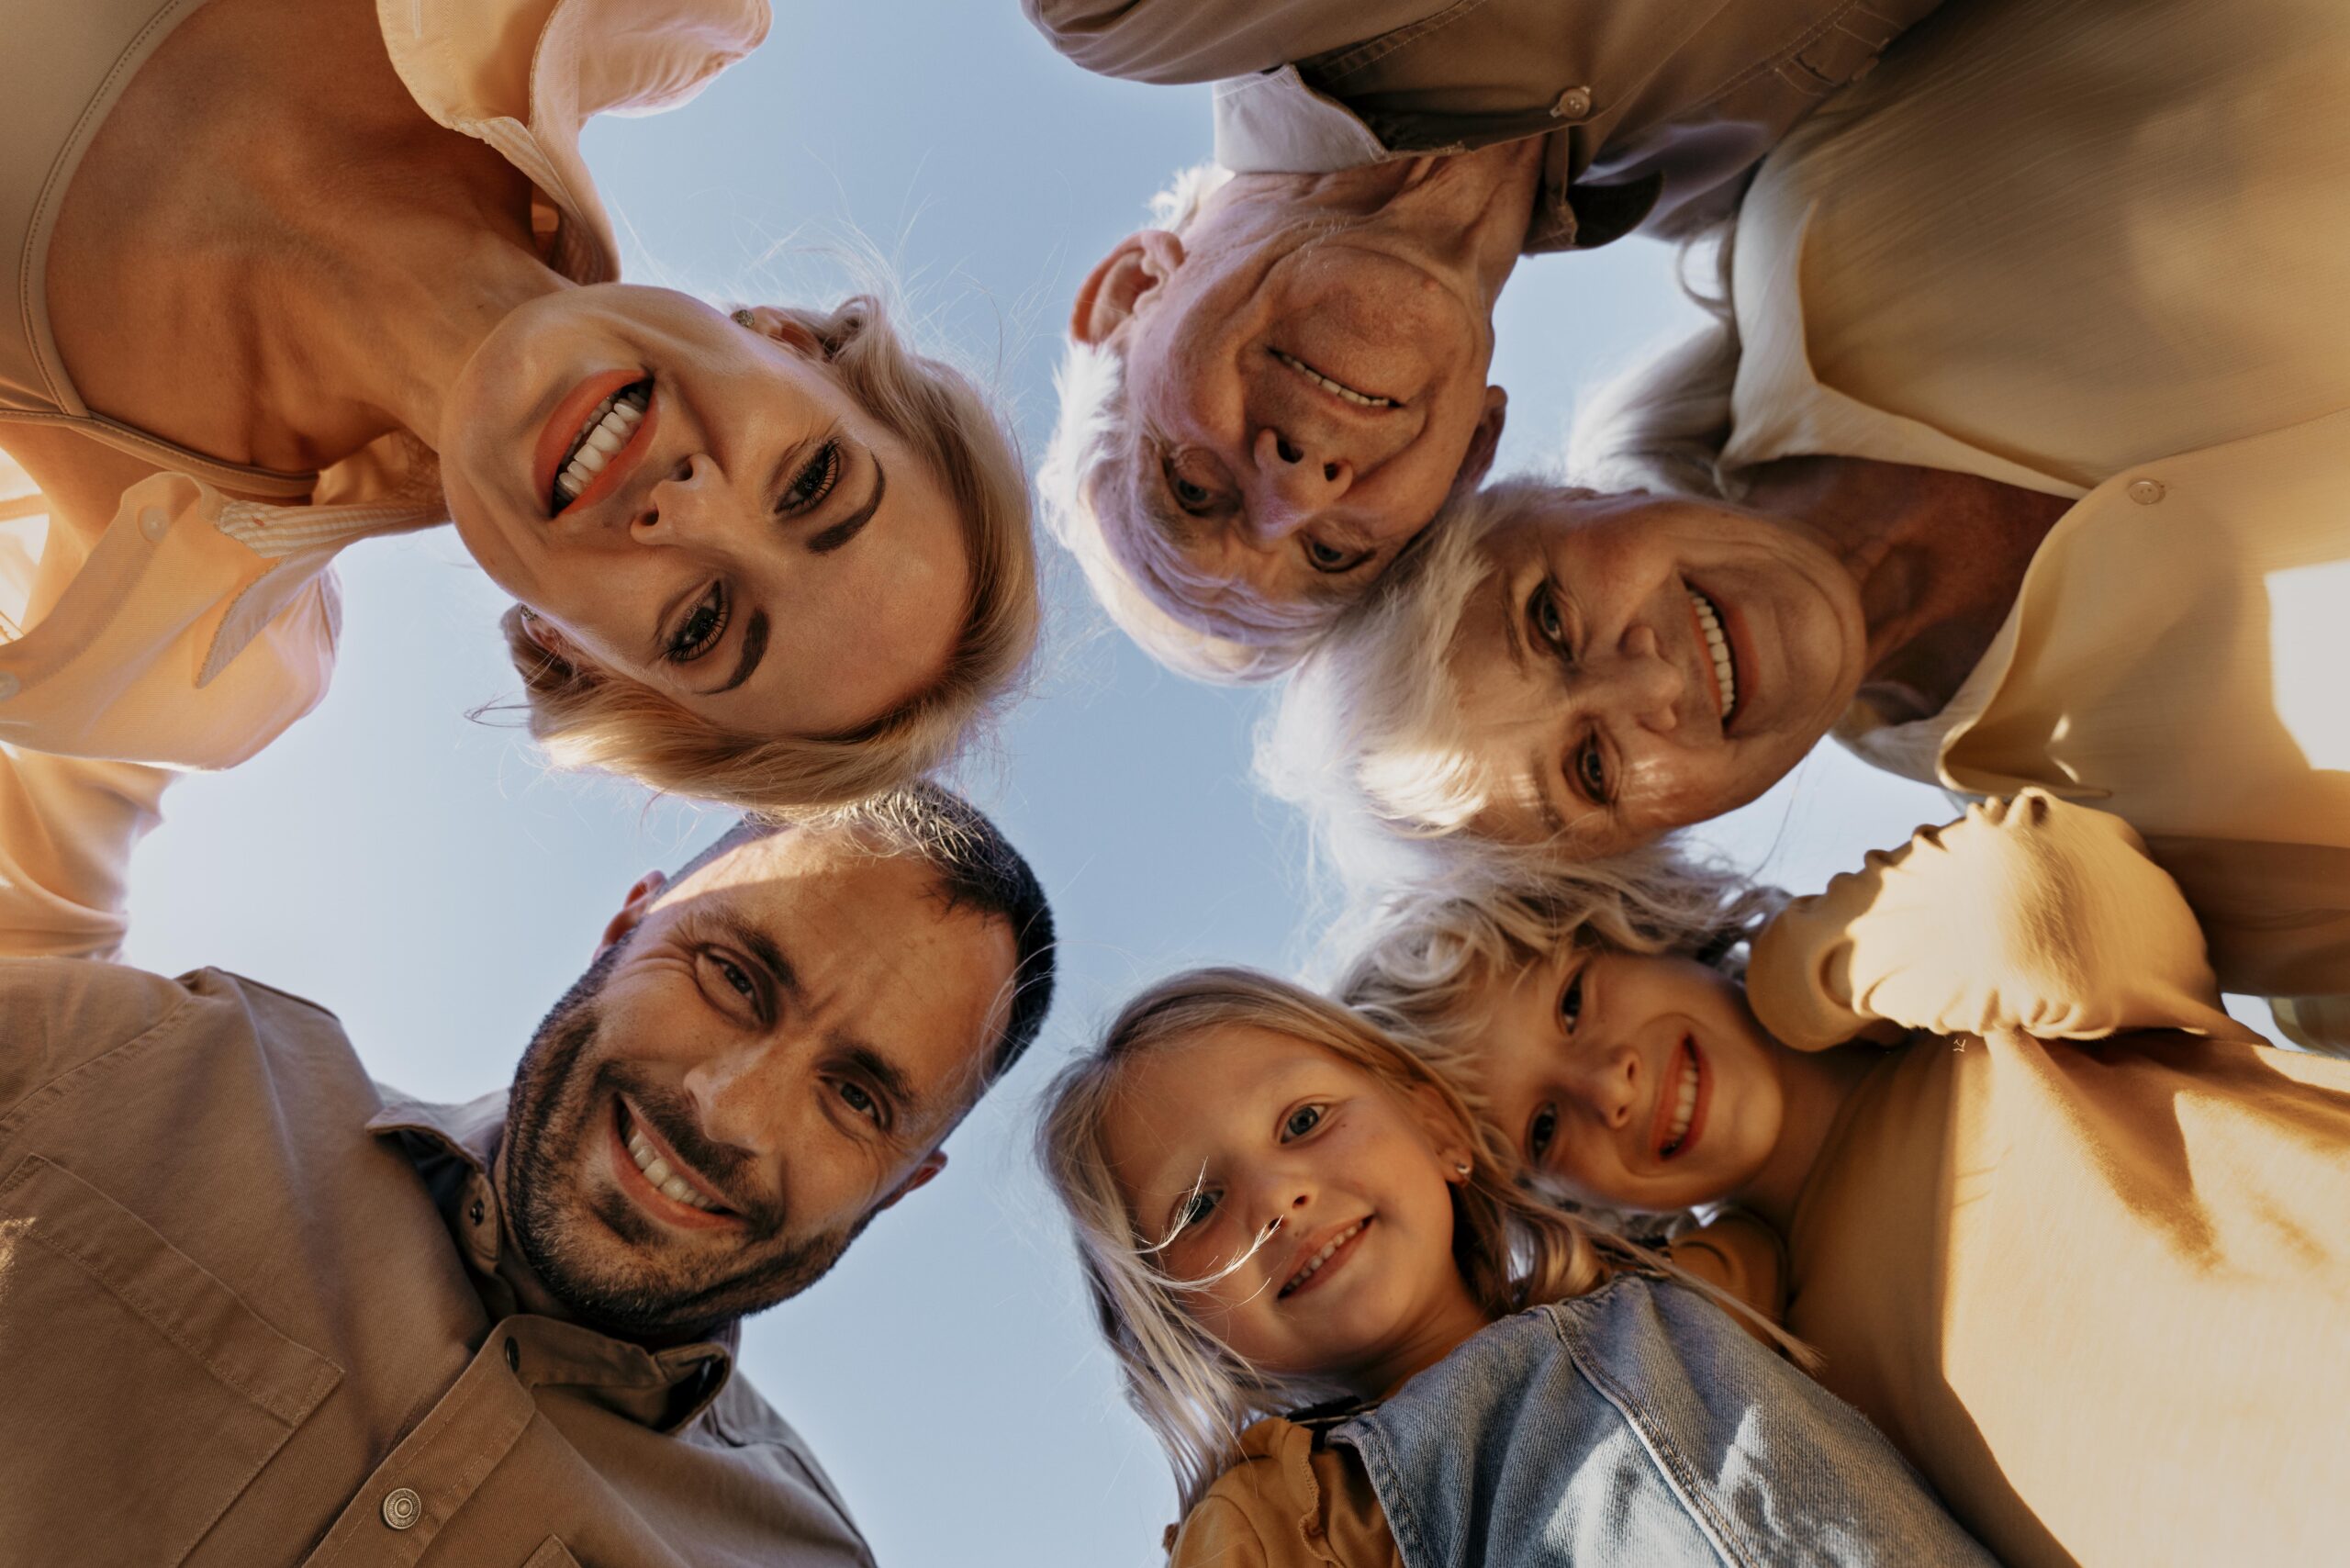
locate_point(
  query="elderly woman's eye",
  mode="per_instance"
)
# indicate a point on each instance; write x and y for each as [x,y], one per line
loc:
[1331,560]
[701,628]
[1590,767]
[1541,1131]
[1549,623]
[806,490]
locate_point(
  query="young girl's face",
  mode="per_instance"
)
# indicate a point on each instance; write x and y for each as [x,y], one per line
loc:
[1217,1138]
[1633,1082]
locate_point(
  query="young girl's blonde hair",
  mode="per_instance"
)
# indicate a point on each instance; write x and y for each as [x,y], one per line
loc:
[1193,1392]
[586,716]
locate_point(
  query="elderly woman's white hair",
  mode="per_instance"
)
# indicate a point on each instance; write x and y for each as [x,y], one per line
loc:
[1134,569]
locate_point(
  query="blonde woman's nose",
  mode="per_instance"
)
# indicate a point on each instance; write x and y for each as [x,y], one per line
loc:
[677,504]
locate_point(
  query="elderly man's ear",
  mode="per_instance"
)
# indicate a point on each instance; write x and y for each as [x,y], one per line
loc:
[1138,263]
[1483,442]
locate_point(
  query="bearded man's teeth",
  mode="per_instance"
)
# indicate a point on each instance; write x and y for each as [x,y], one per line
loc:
[657,1171]
[1716,645]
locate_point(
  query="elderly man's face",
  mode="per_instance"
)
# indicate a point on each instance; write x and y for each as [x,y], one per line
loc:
[1304,394]
[761,1058]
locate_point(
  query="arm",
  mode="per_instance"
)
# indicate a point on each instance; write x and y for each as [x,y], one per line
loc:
[67,827]
[1204,41]
[2032,914]
[1741,1257]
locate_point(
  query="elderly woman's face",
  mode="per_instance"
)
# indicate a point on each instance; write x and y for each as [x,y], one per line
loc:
[703,508]
[1304,401]
[1638,663]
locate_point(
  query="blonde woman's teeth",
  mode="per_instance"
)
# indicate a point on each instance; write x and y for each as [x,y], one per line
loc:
[606,431]
[1313,1265]
[668,1181]
[1709,622]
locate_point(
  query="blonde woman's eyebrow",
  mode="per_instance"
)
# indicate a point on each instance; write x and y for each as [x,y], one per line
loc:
[826,540]
[755,647]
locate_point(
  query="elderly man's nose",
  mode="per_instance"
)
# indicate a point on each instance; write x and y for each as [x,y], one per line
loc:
[1301,477]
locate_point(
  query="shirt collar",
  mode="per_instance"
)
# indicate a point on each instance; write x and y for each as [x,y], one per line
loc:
[453,1149]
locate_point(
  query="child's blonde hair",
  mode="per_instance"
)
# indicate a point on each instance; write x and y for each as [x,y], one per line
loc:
[1194,1392]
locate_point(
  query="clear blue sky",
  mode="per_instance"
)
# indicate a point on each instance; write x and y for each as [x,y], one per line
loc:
[418,873]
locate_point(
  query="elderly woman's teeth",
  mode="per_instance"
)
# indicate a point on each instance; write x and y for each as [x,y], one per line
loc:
[1717,644]
[606,431]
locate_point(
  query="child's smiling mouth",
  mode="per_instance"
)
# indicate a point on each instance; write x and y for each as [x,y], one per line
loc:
[1315,1266]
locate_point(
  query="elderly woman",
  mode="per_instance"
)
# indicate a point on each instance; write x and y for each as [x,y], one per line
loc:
[2057,497]
[294,274]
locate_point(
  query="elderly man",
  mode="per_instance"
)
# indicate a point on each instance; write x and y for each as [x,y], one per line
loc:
[255,1309]
[1272,392]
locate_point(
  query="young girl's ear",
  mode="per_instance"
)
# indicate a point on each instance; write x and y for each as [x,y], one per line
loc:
[1450,1141]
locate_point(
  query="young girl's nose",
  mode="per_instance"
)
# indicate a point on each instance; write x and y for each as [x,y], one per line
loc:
[1611,1086]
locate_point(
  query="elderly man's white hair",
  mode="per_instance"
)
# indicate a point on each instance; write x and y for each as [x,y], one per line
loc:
[1134,570]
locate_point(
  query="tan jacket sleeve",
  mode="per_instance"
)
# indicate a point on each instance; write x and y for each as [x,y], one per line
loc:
[67,827]
[2033,914]
[1207,40]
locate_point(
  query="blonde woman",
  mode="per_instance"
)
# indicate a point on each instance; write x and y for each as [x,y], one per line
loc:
[294,275]
[1280,1207]
[2056,1223]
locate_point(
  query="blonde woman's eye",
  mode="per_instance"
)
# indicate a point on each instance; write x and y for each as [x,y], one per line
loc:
[700,629]
[1541,1131]
[1302,1121]
[807,489]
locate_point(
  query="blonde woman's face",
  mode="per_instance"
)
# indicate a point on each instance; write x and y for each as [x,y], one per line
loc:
[703,508]
[1633,1082]
[1319,1197]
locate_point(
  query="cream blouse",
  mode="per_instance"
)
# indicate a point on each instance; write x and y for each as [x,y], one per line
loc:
[194,627]
[2093,1287]
[2094,251]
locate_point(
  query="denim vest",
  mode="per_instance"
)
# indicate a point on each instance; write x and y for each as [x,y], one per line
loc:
[1639,1424]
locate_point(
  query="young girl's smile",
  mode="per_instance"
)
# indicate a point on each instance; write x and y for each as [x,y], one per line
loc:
[1313,1203]
[1634,1082]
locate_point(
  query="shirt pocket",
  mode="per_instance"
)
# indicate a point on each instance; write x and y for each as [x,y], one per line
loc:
[552,1553]
[142,1395]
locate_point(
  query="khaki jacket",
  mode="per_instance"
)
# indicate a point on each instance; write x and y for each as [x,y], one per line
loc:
[1651,112]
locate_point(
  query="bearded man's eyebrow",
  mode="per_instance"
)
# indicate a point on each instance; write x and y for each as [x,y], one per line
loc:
[883,1074]
[762,947]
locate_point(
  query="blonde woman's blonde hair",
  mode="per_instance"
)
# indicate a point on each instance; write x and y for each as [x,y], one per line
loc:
[1194,1392]
[586,716]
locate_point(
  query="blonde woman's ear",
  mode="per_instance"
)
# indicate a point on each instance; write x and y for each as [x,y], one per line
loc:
[769,322]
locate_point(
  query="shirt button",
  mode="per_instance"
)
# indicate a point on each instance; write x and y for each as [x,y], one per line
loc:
[475,1213]
[2147,492]
[1573,104]
[402,1508]
[9,685]
[154,522]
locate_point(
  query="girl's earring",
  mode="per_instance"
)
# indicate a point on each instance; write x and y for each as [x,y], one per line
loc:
[1461,1168]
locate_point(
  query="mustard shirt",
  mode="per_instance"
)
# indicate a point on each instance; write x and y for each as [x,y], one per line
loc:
[2094,1288]
[2095,251]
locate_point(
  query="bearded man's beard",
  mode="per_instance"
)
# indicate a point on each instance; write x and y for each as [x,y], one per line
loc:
[592,1249]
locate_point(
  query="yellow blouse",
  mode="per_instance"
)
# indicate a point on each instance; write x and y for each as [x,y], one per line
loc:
[2093,1289]
[2095,251]
[194,628]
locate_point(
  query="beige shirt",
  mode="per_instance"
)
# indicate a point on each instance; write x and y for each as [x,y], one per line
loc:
[1651,112]
[2094,1291]
[2098,253]
[250,1305]
[194,627]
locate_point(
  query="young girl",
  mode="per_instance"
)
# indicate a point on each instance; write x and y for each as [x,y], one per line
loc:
[2094,1290]
[1277,1206]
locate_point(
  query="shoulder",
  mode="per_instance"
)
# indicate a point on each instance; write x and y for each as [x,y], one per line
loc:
[68,1024]
[741,1420]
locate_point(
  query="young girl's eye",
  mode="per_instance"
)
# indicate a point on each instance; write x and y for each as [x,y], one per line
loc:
[1195,1210]
[1541,1131]
[1299,1122]
[807,489]
[1570,1002]
[701,628]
